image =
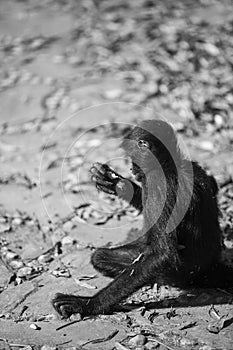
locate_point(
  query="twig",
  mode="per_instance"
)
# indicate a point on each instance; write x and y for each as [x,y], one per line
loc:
[101,340]
[12,345]
[65,342]
[67,324]
[18,345]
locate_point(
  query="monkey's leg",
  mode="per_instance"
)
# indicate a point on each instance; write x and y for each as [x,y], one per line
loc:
[107,180]
[139,273]
[112,261]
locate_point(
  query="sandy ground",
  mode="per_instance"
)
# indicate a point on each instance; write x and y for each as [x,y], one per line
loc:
[69,70]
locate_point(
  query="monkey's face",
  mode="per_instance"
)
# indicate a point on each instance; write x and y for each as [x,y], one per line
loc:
[141,153]
[149,146]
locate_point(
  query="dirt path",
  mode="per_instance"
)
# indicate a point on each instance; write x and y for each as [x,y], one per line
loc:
[69,69]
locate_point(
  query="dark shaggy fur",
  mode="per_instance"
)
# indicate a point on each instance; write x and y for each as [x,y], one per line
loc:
[181,241]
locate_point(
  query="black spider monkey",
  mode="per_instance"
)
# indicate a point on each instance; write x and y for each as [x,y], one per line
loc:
[181,239]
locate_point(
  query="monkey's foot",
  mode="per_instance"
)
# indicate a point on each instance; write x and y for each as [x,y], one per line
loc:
[67,305]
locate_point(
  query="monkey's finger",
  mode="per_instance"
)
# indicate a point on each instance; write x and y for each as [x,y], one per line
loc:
[105,189]
[95,172]
[103,170]
[101,181]
[99,168]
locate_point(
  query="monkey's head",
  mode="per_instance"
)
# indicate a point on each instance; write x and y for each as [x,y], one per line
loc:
[151,144]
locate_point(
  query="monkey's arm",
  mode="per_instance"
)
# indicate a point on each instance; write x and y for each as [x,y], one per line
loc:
[107,180]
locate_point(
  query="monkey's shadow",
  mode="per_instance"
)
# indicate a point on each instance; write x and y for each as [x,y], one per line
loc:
[190,297]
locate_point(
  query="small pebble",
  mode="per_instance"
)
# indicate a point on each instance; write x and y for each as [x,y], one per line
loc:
[58,59]
[218,119]
[45,258]
[151,88]
[112,94]
[67,240]
[211,49]
[74,107]
[138,340]
[61,273]
[24,271]
[74,60]
[206,145]
[187,342]
[152,345]
[16,264]
[76,317]
[67,227]
[163,89]
[94,143]
[49,81]
[37,44]
[228,244]
[35,327]
[45,229]
[30,223]
[119,346]
[17,221]
[48,347]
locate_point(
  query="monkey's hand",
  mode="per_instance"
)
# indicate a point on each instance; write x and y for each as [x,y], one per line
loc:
[107,180]
[67,305]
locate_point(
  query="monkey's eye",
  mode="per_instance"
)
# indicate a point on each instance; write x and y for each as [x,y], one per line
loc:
[143,145]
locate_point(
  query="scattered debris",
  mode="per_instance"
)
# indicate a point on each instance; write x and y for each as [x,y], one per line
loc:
[174,59]
[84,284]
[220,322]
[61,272]
[171,313]
[188,324]
[138,340]
[119,346]
[35,327]
[18,178]
[48,347]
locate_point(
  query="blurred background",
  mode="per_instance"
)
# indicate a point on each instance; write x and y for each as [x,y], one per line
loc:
[72,75]
[156,58]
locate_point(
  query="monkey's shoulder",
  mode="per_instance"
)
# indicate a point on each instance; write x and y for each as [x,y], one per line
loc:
[204,181]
